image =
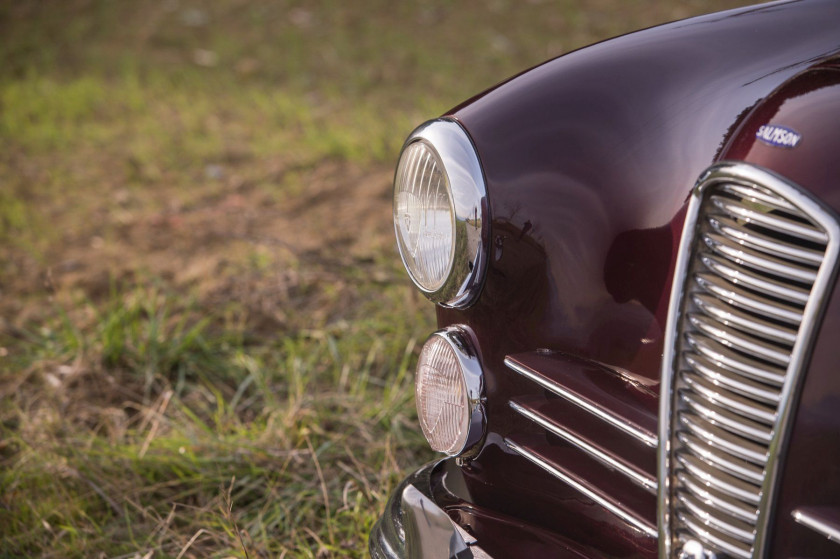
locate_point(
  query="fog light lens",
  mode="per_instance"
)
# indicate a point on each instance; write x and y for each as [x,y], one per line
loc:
[448,389]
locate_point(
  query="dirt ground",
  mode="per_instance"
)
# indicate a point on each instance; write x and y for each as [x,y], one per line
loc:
[342,221]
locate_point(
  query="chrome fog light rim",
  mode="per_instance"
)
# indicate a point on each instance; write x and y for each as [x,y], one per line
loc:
[458,340]
[468,194]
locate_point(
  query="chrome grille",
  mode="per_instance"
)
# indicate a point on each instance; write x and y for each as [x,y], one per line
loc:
[753,267]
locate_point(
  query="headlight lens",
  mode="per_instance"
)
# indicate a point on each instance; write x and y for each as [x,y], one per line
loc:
[424,216]
[440,213]
[448,389]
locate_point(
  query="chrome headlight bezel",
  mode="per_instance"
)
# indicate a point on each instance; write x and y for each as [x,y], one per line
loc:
[468,196]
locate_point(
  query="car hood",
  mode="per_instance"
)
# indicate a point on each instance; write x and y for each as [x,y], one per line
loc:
[590,158]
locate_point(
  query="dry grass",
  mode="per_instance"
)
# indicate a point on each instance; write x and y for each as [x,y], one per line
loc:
[206,338]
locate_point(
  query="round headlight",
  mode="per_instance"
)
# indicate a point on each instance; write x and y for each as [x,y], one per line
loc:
[440,206]
[448,389]
[424,216]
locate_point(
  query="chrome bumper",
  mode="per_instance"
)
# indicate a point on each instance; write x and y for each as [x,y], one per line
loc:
[413,526]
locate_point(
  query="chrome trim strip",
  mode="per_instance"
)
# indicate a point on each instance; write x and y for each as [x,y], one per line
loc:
[736,403]
[705,533]
[731,381]
[720,480]
[733,422]
[730,229]
[730,316]
[832,532]
[737,340]
[472,211]
[780,224]
[721,460]
[642,525]
[727,359]
[647,482]
[718,499]
[747,175]
[592,408]
[734,275]
[733,528]
[738,297]
[758,194]
[754,260]
[723,440]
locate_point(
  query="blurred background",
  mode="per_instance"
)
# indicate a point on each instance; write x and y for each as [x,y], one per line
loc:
[207,339]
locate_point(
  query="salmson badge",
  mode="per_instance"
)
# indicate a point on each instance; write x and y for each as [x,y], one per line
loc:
[778,136]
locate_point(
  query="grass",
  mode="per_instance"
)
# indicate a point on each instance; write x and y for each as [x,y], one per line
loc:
[206,338]
[137,427]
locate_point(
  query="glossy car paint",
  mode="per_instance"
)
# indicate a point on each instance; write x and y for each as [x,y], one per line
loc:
[808,104]
[589,160]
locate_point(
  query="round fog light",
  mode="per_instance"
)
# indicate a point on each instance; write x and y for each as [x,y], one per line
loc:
[449,392]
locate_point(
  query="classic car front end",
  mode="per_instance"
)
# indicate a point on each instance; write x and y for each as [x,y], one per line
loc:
[633,252]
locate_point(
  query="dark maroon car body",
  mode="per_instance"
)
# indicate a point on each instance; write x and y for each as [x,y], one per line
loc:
[589,162]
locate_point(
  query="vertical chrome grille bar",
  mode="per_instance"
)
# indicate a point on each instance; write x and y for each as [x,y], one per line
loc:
[756,254]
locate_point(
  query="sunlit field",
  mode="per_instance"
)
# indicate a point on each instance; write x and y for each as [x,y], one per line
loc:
[207,338]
